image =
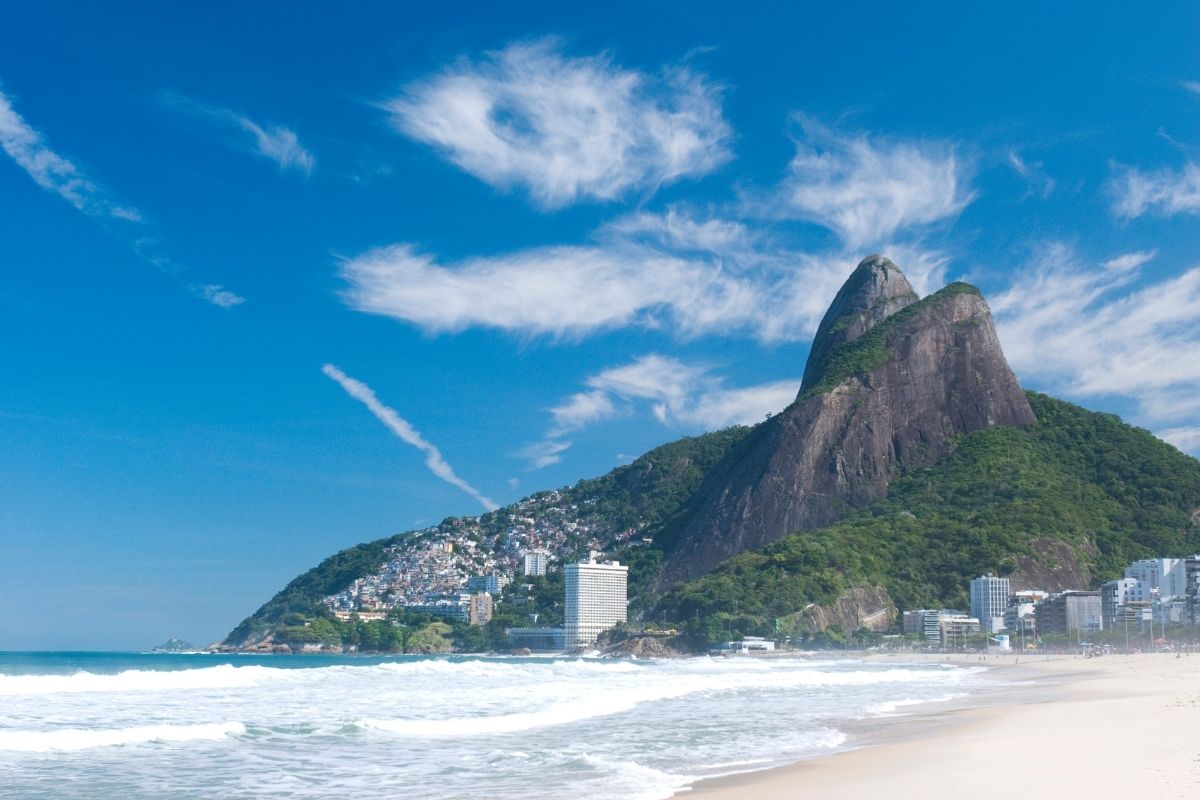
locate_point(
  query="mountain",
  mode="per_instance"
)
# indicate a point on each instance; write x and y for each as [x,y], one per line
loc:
[1064,503]
[890,384]
[910,462]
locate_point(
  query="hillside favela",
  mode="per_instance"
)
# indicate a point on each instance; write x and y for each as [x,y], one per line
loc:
[809,397]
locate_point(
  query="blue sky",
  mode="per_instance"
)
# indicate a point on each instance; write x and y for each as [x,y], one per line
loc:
[277,282]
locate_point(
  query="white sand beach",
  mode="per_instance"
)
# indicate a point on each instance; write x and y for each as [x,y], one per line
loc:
[1125,725]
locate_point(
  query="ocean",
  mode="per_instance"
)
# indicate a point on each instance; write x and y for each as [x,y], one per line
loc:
[154,726]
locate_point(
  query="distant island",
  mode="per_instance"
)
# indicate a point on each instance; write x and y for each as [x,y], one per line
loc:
[910,464]
[175,646]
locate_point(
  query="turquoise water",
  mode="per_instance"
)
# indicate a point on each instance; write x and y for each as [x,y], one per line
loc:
[154,726]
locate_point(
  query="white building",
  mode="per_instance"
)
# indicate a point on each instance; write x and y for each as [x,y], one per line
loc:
[536,562]
[1185,574]
[748,644]
[595,600]
[492,584]
[1154,573]
[989,599]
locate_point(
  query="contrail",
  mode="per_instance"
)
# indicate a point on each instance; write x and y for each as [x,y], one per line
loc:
[401,427]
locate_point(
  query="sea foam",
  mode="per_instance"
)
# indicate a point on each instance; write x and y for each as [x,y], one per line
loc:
[224,676]
[82,739]
[428,727]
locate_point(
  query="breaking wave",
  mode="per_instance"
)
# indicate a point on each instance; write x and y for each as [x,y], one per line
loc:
[83,739]
[224,676]
[601,702]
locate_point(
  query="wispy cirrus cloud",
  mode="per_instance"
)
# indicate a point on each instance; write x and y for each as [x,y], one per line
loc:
[57,174]
[1089,330]
[28,148]
[691,277]
[1039,183]
[218,295]
[679,395]
[869,189]
[566,128]
[275,143]
[405,432]
[691,395]
[1165,192]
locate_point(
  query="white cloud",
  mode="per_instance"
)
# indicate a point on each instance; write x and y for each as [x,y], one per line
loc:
[218,295]
[279,144]
[544,453]
[692,277]
[740,406]
[1092,331]
[406,432]
[1163,191]
[679,395]
[582,409]
[55,173]
[1039,183]
[690,395]
[678,230]
[566,128]
[51,171]
[868,190]
[1186,439]
[276,143]
[1192,86]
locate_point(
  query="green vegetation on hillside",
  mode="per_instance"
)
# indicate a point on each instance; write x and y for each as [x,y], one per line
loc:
[637,496]
[1112,492]
[1109,491]
[303,595]
[651,489]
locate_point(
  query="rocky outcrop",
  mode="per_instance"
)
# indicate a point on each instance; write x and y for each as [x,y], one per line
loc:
[876,290]
[641,647]
[1053,566]
[890,385]
[869,607]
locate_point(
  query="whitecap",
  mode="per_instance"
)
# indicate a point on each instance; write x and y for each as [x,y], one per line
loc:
[66,739]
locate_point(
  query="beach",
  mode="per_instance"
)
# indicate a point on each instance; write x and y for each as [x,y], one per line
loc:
[1058,728]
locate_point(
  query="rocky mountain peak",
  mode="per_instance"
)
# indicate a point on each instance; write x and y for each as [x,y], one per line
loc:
[891,384]
[876,290]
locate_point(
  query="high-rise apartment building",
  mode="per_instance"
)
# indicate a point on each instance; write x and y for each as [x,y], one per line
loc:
[492,584]
[536,562]
[1151,574]
[1070,613]
[595,600]
[479,610]
[989,599]
[1114,596]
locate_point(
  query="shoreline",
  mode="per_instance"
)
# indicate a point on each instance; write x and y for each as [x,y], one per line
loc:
[1062,727]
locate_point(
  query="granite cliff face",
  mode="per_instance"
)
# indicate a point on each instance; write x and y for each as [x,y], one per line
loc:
[876,290]
[890,383]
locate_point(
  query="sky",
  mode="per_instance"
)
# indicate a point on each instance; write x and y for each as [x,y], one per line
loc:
[275,281]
